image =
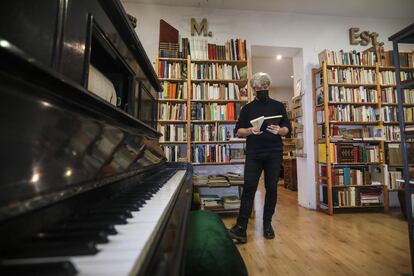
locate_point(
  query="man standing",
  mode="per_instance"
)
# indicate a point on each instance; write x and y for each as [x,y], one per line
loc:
[264,152]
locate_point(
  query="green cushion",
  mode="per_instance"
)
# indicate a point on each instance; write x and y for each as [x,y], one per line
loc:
[210,251]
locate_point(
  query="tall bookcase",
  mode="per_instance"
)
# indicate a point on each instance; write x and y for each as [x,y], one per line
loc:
[186,80]
[342,193]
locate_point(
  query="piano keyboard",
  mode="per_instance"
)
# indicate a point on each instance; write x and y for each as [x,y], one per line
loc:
[113,251]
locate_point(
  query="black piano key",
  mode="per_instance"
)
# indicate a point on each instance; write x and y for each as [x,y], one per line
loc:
[44,269]
[43,249]
[106,227]
[127,205]
[111,218]
[98,237]
[111,211]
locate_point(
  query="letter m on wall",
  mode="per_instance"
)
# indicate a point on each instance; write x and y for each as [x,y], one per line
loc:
[199,28]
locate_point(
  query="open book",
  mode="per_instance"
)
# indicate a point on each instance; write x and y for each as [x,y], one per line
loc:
[270,120]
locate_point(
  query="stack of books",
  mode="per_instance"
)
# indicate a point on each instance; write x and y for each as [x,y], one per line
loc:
[211,202]
[370,197]
[200,179]
[217,181]
[231,202]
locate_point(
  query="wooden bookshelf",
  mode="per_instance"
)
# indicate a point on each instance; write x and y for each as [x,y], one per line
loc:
[326,141]
[189,102]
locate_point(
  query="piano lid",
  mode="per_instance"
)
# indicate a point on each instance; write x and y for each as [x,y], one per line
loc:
[58,140]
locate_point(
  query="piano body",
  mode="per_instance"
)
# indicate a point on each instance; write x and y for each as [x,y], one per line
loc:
[85,188]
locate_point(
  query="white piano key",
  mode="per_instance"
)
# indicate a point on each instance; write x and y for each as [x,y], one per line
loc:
[133,239]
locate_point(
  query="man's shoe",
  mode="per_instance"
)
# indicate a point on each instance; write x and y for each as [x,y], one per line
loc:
[238,233]
[268,232]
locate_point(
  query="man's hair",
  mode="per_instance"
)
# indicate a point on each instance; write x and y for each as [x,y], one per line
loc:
[261,80]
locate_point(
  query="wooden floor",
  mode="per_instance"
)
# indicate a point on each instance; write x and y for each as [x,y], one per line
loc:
[313,243]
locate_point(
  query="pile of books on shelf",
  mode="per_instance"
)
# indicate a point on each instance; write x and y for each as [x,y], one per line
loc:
[200,179]
[173,90]
[176,153]
[217,181]
[215,111]
[361,94]
[234,49]
[351,113]
[350,153]
[351,75]
[170,45]
[173,111]
[367,58]
[231,202]
[172,133]
[211,202]
[207,91]
[172,70]
[371,196]
[211,132]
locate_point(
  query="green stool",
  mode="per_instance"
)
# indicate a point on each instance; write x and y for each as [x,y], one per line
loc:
[210,251]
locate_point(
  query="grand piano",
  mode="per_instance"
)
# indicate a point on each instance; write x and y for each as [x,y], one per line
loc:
[85,188]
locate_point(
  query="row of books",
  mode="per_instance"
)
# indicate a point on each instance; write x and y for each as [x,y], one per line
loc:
[215,111]
[348,176]
[392,133]
[172,70]
[211,132]
[216,153]
[234,49]
[369,133]
[388,77]
[177,153]
[361,94]
[215,203]
[351,76]
[173,90]
[172,111]
[389,95]
[390,114]
[348,58]
[350,153]
[406,58]
[172,133]
[208,91]
[394,176]
[214,71]
[394,154]
[353,197]
[351,113]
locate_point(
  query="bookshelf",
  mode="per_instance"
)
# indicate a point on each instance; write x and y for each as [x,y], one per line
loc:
[348,97]
[207,91]
[377,83]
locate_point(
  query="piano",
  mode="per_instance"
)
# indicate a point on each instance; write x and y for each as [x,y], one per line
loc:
[85,188]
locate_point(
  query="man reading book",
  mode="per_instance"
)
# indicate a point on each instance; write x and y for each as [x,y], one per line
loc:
[264,152]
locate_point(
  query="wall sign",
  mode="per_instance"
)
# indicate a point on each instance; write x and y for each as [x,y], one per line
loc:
[363,38]
[200,28]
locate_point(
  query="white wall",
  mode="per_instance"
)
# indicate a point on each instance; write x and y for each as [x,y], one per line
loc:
[282,94]
[311,32]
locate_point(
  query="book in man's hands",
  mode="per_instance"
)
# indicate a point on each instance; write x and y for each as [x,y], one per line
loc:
[270,120]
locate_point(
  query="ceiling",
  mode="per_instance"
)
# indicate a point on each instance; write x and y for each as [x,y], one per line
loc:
[400,9]
[264,60]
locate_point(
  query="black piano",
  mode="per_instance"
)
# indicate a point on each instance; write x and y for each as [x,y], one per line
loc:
[85,188]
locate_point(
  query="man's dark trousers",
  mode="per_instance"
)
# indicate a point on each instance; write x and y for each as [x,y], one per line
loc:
[270,163]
